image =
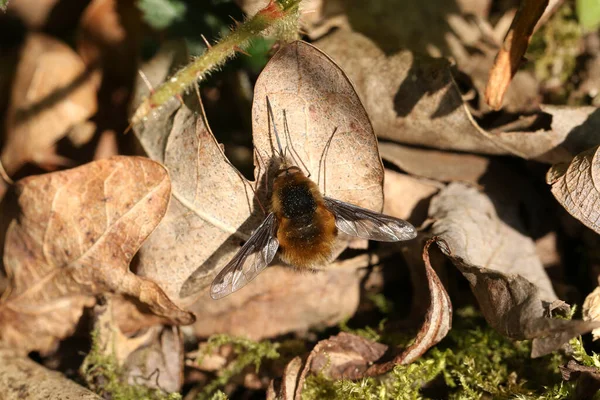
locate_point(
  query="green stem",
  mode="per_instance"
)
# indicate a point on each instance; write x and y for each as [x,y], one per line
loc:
[281,15]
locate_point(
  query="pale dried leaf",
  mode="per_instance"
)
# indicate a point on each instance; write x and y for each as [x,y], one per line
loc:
[151,358]
[502,267]
[415,100]
[22,378]
[73,239]
[344,356]
[407,197]
[438,320]
[158,365]
[214,209]
[591,310]
[291,379]
[469,222]
[281,300]
[33,13]
[441,166]
[51,93]
[110,339]
[576,186]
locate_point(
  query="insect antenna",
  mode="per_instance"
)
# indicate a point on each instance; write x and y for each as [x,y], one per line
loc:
[270,110]
[288,139]
[323,159]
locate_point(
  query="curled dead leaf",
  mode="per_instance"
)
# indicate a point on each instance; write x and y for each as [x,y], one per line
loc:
[587,377]
[575,186]
[502,267]
[510,56]
[52,92]
[74,237]
[290,382]
[349,356]
[344,356]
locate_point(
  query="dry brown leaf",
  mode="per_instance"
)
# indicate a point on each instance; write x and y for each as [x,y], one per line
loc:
[415,100]
[214,209]
[587,377]
[107,146]
[591,310]
[510,56]
[348,356]
[34,13]
[151,358]
[441,166]
[290,382]
[22,378]
[158,365]
[407,197]
[344,356]
[281,300]
[575,186]
[502,267]
[51,93]
[74,237]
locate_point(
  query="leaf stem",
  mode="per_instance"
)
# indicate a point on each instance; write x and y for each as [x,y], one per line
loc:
[280,16]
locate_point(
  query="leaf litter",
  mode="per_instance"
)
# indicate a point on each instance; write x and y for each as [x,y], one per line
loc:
[424,92]
[316,97]
[60,254]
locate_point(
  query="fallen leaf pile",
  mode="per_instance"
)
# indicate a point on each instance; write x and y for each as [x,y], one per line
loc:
[476,121]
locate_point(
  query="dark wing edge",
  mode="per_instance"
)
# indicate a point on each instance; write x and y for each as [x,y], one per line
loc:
[250,260]
[366,224]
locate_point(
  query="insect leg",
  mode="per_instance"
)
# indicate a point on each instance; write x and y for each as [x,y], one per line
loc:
[288,139]
[323,160]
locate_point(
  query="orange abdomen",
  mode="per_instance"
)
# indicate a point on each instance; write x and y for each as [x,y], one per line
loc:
[307,241]
[306,228]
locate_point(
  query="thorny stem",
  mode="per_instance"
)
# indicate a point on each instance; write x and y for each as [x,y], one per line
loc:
[279,17]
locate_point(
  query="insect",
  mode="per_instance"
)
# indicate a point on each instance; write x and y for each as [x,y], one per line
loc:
[302,225]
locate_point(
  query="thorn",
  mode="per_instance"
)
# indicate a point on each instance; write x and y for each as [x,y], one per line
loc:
[126,131]
[146,81]
[178,96]
[236,48]
[235,21]
[304,12]
[302,31]
[206,42]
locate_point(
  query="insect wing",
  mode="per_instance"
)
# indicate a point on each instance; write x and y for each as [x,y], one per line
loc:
[250,260]
[367,224]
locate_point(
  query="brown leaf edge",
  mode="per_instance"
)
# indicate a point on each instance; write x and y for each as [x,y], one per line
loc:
[587,377]
[357,355]
[510,56]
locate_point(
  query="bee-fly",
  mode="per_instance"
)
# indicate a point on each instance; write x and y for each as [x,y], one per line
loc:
[303,225]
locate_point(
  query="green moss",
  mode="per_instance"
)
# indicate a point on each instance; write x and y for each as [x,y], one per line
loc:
[581,356]
[472,362]
[248,352]
[103,375]
[554,49]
